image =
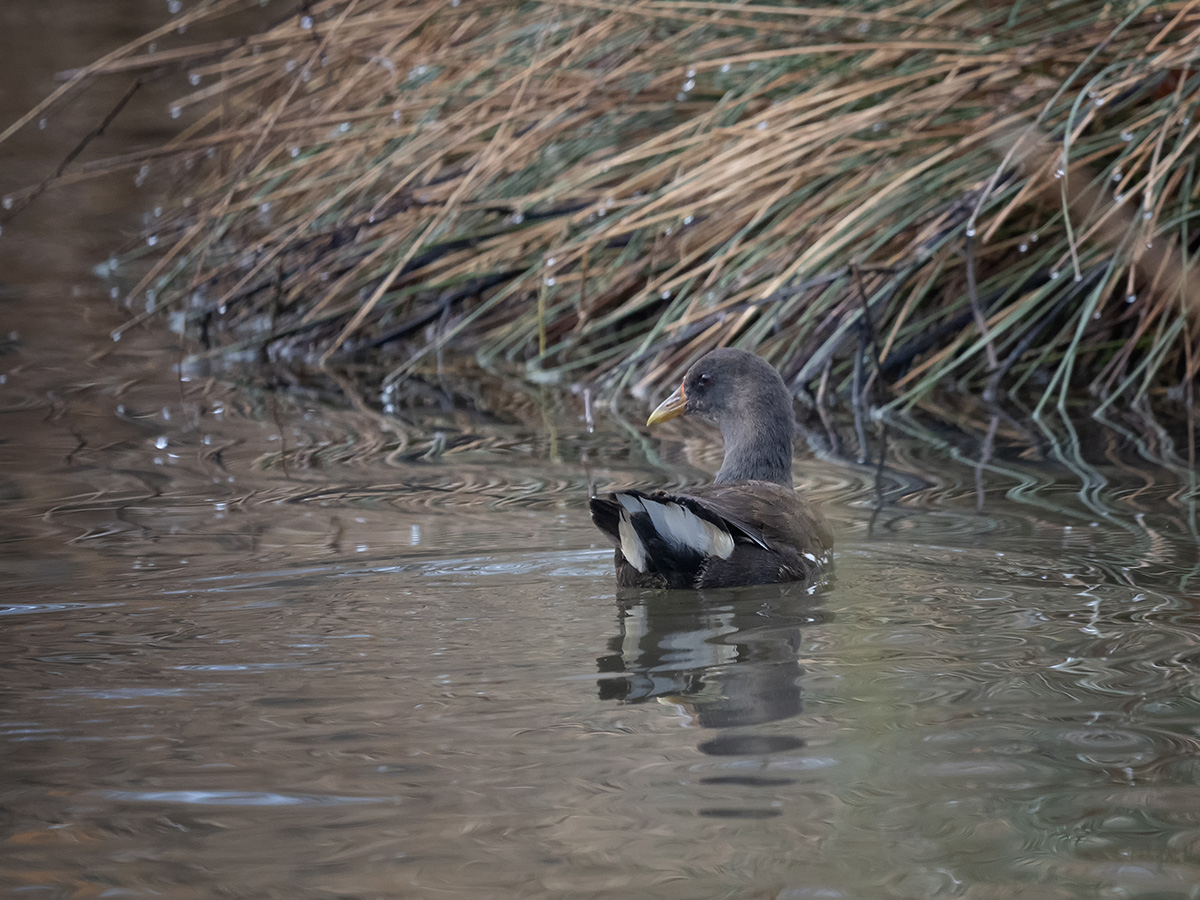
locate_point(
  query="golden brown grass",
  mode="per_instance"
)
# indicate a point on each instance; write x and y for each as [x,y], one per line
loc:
[992,194]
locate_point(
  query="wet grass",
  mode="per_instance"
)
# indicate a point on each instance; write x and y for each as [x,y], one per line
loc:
[878,198]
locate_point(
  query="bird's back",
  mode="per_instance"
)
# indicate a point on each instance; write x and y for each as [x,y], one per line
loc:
[717,535]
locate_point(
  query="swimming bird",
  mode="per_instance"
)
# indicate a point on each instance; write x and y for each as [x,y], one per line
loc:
[749,526]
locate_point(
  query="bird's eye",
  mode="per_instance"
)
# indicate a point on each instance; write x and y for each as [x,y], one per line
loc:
[704,380]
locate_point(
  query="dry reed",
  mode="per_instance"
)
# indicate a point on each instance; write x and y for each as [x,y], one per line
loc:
[993,195]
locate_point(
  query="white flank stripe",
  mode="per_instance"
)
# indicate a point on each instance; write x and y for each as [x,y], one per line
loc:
[630,503]
[631,544]
[632,547]
[683,528]
[676,524]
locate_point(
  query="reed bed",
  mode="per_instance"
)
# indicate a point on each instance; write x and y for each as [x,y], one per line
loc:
[877,197]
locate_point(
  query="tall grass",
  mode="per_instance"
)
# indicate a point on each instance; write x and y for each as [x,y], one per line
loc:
[996,195]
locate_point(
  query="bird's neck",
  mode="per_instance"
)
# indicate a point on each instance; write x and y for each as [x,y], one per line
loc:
[760,454]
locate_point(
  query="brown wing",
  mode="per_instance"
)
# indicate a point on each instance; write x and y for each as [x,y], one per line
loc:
[771,515]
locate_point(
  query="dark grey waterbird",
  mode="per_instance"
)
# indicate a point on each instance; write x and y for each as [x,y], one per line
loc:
[749,526]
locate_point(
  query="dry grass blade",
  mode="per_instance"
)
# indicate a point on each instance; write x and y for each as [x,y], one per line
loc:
[603,188]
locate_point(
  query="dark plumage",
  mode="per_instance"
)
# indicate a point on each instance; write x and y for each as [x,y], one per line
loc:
[749,526]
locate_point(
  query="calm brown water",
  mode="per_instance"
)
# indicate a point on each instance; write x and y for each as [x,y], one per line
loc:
[256,646]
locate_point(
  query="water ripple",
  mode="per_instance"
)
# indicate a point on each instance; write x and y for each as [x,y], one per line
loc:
[237,798]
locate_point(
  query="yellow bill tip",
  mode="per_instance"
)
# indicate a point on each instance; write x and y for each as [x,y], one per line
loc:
[671,408]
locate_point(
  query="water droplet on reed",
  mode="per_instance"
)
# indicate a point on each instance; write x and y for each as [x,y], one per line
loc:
[176,111]
[551,261]
[863,27]
[7,203]
[193,79]
[42,124]
[691,73]
[761,126]
[174,7]
[1054,275]
[1078,277]
[689,84]
[549,280]
[665,295]
[290,65]
[725,67]
[161,443]
[1059,173]
[306,22]
[1130,298]
[344,127]
[1127,136]
[1147,215]
[970,232]
[688,220]
[294,152]
[152,239]
[1023,248]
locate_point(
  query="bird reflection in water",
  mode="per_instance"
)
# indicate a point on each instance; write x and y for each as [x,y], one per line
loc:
[724,658]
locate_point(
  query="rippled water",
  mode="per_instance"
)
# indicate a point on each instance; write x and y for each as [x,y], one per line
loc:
[361,674]
[256,645]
